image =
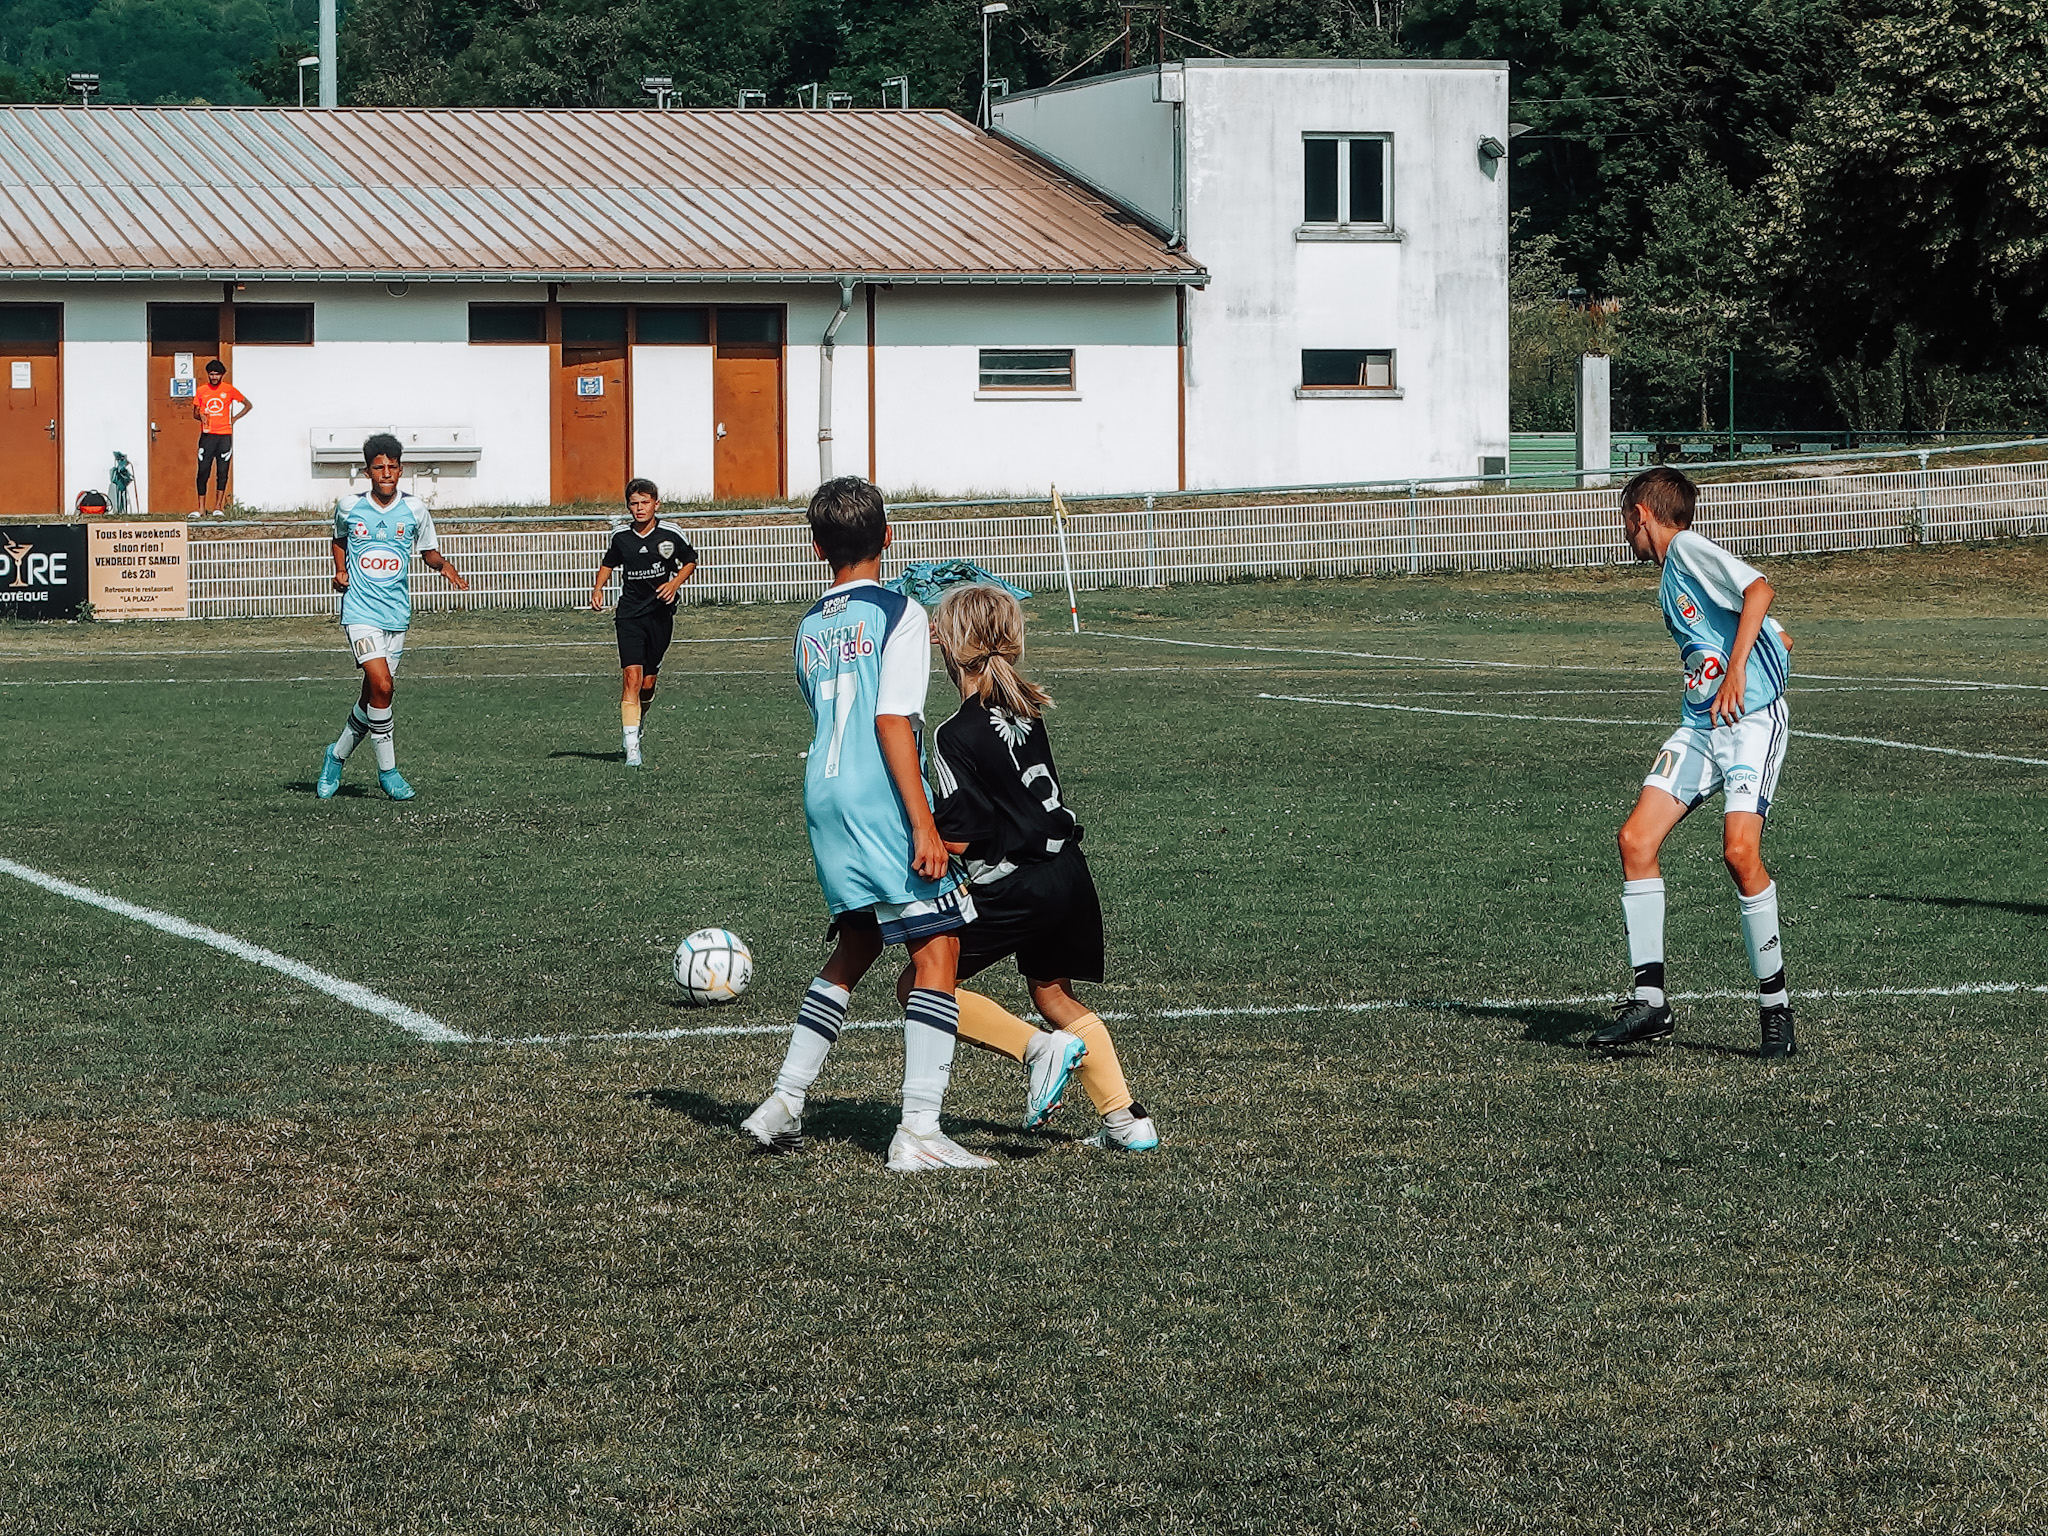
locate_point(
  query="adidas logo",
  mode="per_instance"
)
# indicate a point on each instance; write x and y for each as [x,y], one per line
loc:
[1770,945]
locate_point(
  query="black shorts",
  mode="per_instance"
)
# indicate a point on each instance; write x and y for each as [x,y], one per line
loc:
[1047,915]
[644,638]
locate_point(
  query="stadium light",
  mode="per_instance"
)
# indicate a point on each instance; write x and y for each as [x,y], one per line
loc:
[753,99]
[997,9]
[834,100]
[901,83]
[86,84]
[660,87]
[309,59]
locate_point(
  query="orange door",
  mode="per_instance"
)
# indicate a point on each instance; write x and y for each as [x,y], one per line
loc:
[30,419]
[181,338]
[746,402]
[593,419]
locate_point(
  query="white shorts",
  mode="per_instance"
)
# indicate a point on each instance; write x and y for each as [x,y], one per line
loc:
[368,642]
[900,922]
[1742,760]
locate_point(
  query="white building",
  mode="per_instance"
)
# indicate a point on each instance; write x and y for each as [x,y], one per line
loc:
[544,303]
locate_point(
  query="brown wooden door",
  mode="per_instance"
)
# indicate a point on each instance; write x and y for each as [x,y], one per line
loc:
[181,338]
[31,411]
[746,403]
[592,407]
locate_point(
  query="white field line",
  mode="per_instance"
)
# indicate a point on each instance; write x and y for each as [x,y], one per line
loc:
[338,677]
[411,1020]
[1539,666]
[1376,1005]
[1489,714]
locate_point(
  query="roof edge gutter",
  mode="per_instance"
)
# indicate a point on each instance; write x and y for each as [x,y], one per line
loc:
[1171,277]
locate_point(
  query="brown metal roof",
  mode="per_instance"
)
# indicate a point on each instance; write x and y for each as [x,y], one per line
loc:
[272,192]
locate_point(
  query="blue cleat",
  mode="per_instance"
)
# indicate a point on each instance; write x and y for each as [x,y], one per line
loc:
[1051,1061]
[330,776]
[393,784]
[1137,1134]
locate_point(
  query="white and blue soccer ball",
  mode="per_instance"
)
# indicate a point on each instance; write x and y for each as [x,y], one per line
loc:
[713,966]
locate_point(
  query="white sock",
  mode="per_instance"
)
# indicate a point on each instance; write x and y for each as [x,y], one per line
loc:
[380,739]
[931,1026]
[1766,953]
[353,731]
[632,738]
[818,1018]
[1642,913]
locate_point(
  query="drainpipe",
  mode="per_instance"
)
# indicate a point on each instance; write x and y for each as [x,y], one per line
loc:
[825,380]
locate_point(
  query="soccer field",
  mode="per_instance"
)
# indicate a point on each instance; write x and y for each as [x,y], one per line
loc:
[1408,1259]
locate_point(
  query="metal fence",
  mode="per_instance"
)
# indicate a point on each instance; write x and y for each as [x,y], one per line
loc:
[773,562]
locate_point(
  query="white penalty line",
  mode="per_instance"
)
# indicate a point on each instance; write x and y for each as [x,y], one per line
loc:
[411,1020]
[1490,714]
[1291,1010]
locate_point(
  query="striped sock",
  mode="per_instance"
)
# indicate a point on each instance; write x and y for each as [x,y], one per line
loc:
[931,1026]
[818,1018]
[353,730]
[380,739]
[1766,952]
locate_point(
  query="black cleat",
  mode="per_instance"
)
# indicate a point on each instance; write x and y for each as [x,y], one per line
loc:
[1777,1038]
[1634,1021]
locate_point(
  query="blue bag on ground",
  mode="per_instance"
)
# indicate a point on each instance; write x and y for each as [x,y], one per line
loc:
[926,581]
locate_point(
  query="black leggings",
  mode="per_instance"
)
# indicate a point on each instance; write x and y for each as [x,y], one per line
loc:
[215,449]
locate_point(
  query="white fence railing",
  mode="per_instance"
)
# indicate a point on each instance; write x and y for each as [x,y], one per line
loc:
[773,562]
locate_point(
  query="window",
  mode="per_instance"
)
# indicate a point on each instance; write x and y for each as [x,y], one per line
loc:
[192,324]
[749,327]
[1344,180]
[671,325]
[508,322]
[1347,370]
[30,322]
[274,325]
[1015,368]
[593,325]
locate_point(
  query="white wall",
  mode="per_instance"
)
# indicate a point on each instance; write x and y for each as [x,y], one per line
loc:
[672,422]
[1437,295]
[106,406]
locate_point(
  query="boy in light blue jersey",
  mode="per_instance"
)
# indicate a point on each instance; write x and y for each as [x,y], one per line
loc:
[1731,737]
[863,663]
[376,534]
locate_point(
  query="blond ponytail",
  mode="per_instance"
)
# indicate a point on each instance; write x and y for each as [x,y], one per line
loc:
[981,639]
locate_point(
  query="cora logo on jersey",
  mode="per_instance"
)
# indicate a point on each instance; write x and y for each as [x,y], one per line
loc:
[1704,672]
[380,565]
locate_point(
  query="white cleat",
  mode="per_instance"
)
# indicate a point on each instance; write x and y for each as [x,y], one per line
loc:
[632,754]
[776,1125]
[1051,1059]
[1138,1134]
[911,1153]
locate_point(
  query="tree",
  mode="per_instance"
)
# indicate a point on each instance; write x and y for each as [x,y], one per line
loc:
[1917,192]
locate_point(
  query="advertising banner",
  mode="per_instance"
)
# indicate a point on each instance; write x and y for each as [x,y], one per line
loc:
[42,571]
[139,571]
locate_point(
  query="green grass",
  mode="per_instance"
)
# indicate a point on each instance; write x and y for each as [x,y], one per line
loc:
[268,1263]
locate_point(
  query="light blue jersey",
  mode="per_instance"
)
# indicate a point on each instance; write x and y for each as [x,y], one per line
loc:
[861,651]
[1701,594]
[381,541]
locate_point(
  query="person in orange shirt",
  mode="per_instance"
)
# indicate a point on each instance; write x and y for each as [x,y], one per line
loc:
[214,407]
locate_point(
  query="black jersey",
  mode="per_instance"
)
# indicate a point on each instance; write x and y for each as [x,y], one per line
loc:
[644,562]
[997,791]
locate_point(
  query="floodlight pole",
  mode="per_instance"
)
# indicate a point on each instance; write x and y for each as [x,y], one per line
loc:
[901,82]
[311,58]
[996,9]
[330,98]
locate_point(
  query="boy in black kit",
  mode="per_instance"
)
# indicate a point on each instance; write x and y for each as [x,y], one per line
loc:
[653,560]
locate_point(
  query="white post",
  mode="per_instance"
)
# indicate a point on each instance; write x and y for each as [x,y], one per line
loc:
[1059,521]
[1594,417]
[329,96]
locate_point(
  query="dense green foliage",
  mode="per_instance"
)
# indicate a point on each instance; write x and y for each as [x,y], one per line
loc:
[1848,194]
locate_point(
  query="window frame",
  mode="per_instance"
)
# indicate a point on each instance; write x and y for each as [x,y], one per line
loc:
[984,390]
[1343,227]
[1391,390]
[243,341]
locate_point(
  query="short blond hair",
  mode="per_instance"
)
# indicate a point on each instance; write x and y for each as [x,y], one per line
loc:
[981,639]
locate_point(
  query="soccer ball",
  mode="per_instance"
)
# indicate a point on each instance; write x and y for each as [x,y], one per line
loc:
[713,966]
